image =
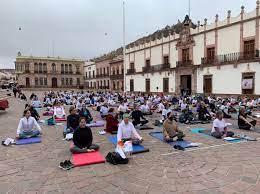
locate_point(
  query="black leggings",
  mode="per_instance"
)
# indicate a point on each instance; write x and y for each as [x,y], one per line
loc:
[218,135]
[247,126]
[141,122]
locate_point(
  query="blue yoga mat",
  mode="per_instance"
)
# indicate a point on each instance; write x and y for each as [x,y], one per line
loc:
[136,148]
[159,135]
[29,141]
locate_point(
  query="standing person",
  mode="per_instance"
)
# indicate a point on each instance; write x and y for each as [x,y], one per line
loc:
[126,131]
[171,129]
[243,122]
[15,91]
[83,139]
[27,125]
[219,128]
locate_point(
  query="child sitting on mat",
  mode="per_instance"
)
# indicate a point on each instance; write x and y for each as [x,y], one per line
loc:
[219,128]
[72,120]
[171,129]
[82,139]
[26,126]
[126,131]
[59,111]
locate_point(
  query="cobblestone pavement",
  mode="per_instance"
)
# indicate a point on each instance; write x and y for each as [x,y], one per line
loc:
[215,168]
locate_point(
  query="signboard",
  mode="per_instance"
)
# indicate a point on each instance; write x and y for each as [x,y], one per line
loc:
[247,84]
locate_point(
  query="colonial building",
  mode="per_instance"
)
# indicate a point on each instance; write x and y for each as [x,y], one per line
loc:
[117,73]
[51,72]
[90,75]
[188,58]
[102,72]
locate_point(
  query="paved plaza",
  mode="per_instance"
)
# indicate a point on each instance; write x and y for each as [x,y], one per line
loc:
[215,167]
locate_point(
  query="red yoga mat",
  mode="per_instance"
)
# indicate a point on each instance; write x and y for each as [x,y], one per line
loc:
[60,119]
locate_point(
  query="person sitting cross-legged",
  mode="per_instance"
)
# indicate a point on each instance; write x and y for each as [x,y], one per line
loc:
[112,121]
[72,121]
[137,115]
[219,128]
[84,112]
[27,125]
[83,139]
[171,129]
[126,131]
[243,121]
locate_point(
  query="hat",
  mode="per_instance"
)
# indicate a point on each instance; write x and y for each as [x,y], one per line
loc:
[126,115]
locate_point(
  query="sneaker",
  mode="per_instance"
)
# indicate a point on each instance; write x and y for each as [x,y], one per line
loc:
[69,164]
[62,166]
[102,132]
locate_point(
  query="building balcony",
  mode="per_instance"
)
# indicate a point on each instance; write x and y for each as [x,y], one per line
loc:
[102,75]
[155,68]
[117,77]
[131,71]
[231,58]
[184,63]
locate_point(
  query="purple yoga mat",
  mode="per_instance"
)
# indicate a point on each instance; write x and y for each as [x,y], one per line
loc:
[29,141]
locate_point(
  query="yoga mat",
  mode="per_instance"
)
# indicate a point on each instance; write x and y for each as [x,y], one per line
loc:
[159,135]
[60,119]
[200,132]
[87,158]
[136,148]
[145,127]
[96,124]
[31,140]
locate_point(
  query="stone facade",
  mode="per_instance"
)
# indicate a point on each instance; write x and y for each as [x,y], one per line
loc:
[189,58]
[90,75]
[103,73]
[49,72]
[117,74]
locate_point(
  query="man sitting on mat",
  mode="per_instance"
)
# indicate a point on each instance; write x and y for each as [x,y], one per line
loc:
[219,128]
[59,111]
[84,112]
[112,121]
[145,109]
[72,120]
[82,139]
[137,115]
[243,122]
[126,131]
[26,126]
[171,129]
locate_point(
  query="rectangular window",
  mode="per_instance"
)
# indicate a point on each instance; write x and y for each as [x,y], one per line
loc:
[78,81]
[67,81]
[89,74]
[211,53]
[165,85]
[166,60]
[185,55]
[131,85]
[41,81]
[147,85]
[132,66]
[147,63]
[249,49]
[93,74]
[62,81]
[107,70]
[45,81]
[36,81]
[71,81]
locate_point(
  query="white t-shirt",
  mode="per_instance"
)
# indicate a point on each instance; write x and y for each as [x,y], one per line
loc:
[220,124]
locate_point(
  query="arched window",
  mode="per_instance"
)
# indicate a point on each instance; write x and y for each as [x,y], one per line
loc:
[117,71]
[77,70]
[70,68]
[35,67]
[53,67]
[117,87]
[27,68]
[66,68]
[40,67]
[62,68]
[44,68]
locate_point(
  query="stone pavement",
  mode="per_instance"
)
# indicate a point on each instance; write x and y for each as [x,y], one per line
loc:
[214,168]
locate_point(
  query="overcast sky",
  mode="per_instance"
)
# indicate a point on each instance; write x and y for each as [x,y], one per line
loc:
[88,28]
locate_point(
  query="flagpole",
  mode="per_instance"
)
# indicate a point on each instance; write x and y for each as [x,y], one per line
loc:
[124,49]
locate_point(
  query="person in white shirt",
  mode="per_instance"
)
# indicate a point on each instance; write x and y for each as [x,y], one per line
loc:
[59,111]
[160,107]
[219,128]
[126,131]
[145,109]
[122,109]
[166,111]
[104,110]
[26,126]
[79,105]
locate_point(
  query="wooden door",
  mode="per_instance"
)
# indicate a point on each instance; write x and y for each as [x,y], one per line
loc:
[207,87]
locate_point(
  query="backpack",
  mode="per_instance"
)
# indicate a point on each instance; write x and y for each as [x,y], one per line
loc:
[114,158]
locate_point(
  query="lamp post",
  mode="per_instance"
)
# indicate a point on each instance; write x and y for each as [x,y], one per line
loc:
[124,49]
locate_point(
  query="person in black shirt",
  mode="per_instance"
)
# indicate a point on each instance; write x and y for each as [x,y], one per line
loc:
[137,115]
[84,112]
[72,120]
[242,120]
[204,114]
[82,139]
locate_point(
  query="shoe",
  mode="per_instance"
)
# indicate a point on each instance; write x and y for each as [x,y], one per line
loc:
[62,166]
[178,147]
[69,164]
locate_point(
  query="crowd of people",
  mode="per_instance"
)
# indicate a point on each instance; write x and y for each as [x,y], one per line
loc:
[117,109]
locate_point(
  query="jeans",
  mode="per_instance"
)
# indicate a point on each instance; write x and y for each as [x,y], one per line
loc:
[28,134]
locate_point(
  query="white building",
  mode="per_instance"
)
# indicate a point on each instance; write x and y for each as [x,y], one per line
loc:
[90,74]
[218,58]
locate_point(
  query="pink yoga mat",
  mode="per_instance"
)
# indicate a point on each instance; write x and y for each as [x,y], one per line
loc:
[87,158]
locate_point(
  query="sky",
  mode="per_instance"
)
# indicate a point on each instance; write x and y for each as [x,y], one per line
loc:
[86,29]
